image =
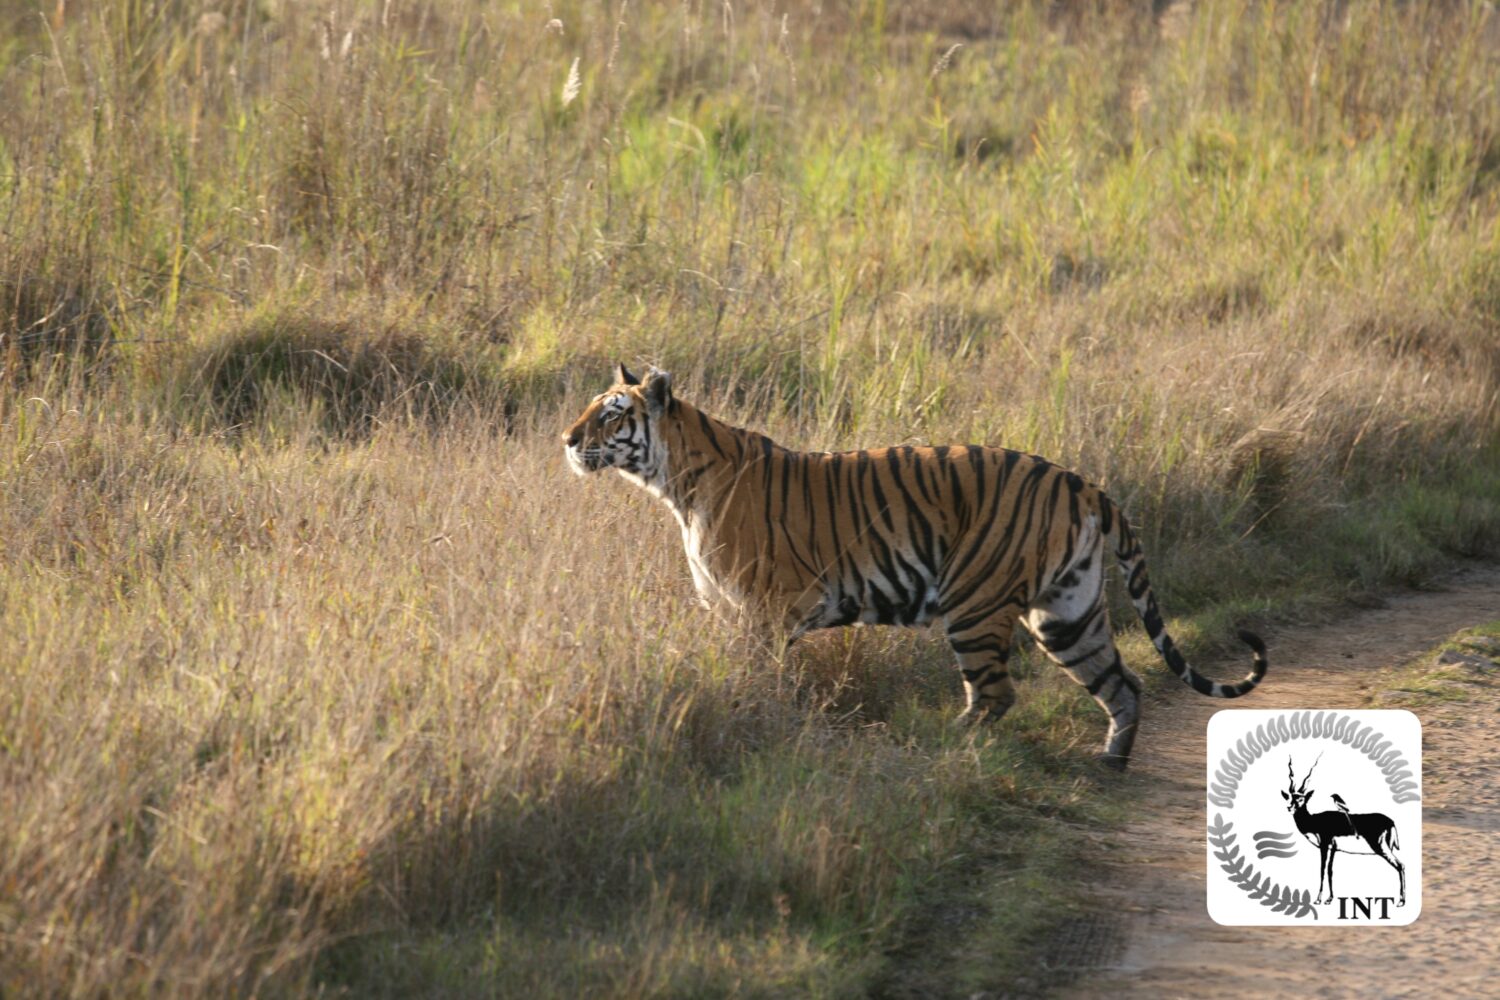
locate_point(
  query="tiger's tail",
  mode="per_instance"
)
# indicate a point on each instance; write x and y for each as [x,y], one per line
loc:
[1133,566]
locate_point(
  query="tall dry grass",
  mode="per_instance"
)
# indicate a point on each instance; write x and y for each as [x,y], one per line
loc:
[261,697]
[318,672]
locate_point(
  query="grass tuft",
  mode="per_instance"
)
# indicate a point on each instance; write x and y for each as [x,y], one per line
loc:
[347,375]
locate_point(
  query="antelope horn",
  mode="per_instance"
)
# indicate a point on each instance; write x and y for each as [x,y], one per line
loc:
[1309,774]
[1291,779]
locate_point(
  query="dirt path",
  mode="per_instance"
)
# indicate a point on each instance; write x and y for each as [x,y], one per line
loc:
[1165,945]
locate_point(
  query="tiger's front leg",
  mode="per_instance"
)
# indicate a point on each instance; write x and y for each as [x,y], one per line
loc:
[983,650]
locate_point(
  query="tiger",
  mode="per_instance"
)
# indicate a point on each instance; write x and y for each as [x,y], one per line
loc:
[975,538]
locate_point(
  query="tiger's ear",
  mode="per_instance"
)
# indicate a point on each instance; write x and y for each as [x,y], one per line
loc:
[624,376]
[658,390]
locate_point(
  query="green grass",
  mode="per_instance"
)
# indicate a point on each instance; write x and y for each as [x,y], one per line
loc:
[318,670]
[1455,671]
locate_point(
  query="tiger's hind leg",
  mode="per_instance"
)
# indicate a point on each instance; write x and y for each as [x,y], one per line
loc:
[982,646]
[1071,623]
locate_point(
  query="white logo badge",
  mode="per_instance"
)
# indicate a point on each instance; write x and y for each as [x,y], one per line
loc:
[1314,817]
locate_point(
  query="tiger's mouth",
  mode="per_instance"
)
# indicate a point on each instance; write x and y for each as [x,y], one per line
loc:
[585,460]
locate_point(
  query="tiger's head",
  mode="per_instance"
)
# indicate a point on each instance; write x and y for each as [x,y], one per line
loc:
[618,429]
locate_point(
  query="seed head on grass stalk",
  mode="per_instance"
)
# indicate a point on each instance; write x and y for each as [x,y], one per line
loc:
[572,85]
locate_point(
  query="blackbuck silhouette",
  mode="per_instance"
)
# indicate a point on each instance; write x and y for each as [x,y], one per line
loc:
[1327,829]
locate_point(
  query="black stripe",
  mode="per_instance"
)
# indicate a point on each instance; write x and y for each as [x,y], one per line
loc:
[713,437]
[787,469]
[1114,669]
[983,644]
[1074,661]
[913,514]
[1059,635]
[1024,504]
[1151,618]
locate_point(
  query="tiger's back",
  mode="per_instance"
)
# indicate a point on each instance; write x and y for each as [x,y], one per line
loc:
[976,538]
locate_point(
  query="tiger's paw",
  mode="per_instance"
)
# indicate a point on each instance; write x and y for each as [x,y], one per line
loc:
[981,715]
[1113,761]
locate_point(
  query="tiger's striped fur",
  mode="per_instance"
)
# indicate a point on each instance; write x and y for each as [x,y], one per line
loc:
[976,538]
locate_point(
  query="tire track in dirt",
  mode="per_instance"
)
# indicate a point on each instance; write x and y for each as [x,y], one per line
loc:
[1154,893]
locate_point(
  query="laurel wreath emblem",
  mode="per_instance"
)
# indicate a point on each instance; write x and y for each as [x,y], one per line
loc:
[1278,898]
[1251,747]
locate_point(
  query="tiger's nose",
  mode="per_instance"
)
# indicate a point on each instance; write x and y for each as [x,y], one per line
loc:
[573,438]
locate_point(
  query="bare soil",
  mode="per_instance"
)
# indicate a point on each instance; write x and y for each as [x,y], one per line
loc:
[1164,945]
